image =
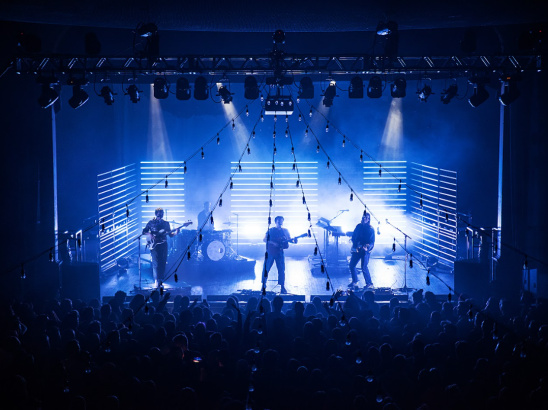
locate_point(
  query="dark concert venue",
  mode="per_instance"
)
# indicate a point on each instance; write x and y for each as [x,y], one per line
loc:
[274,205]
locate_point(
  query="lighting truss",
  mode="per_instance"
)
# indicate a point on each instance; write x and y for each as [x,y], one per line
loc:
[343,66]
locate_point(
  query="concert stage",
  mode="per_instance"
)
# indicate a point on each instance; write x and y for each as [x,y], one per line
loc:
[216,281]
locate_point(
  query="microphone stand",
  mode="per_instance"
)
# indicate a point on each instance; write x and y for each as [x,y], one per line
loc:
[405,236]
[237,234]
[138,239]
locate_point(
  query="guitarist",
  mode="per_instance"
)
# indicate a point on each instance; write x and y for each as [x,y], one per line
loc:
[363,241]
[157,231]
[277,239]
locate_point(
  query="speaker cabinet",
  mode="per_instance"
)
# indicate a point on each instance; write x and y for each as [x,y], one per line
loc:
[80,280]
[472,278]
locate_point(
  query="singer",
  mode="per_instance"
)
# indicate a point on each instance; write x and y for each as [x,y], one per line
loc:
[156,232]
[363,242]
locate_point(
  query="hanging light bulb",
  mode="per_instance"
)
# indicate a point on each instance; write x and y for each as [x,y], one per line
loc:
[327,127]
[221,202]
[211,219]
[410,260]
[286,118]
[318,149]
[359,358]
[275,118]
[262,117]
[292,150]
[310,113]
[253,134]
[297,184]
[271,185]
[300,117]
[380,171]
[273,167]
[176,278]
[184,170]
[275,151]
[351,196]
[200,237]
[270,203]
[340,179]
[309,220]
[309,232]
[525,263]
[394,246]
[344,141]
[327,165]
[315,251]
[306,131]
[233,125]
[248,150]
[286,133]
[420,202]
[166,184]
[322,268]
[399,186]
[127,211]
[239,167]
[449,297]
[218,140]
[188,255]
[361,156]
[146,197]
[304,200]
[51,255]
[427,280]
[203,156]
[231,184]
[274,134]
[327,286]
[246,111]
[294,166]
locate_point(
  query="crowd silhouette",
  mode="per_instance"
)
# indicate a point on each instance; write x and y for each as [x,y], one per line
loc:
[180,353]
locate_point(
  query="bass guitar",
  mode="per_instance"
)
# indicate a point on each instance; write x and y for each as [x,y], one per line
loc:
[276,246]
[152,240]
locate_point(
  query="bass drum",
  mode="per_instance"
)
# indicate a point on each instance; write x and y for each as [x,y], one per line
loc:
[215,251]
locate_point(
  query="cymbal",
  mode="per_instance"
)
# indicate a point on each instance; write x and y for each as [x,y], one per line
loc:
[229,223]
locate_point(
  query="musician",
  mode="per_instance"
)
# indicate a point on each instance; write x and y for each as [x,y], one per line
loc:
[277,239]
[363,242]
[157,230]
[204,218]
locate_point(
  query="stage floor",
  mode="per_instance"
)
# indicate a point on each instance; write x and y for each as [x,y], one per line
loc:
[303,277]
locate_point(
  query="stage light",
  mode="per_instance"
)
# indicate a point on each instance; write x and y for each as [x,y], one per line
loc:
[329,94]
[182,90]
[147,30]
[356,88]
[397,88]
[107,95]
[306,89]
[201,89]
[251,89]
[480,95]
[374,89]
[424,93]
[278,37]
[133,93]
[225,94]
[48,96]
[449,94]
[509,91]
[79,97]
[161,88]
[387,28]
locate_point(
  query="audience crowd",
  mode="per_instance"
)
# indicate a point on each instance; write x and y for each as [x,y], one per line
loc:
[179,353]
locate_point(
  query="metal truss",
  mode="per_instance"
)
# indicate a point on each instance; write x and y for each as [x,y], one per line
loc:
[142,69]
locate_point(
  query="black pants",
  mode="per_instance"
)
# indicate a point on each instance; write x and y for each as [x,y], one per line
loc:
[159,260]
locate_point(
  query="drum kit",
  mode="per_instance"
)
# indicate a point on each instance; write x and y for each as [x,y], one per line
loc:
[216,245]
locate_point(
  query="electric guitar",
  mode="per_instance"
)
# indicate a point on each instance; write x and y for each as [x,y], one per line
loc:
[361,248]
[152,239]
[276,246]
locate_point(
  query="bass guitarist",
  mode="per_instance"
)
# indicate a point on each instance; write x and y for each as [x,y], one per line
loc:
[363,242]
[277,239]
[157,231]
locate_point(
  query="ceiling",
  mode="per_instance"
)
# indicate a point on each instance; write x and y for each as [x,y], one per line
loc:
[267,16]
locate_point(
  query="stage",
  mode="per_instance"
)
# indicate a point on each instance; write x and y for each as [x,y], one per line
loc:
[217,280]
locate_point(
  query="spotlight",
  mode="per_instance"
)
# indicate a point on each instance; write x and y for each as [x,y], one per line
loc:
[107,95]
[449,94]
[48,96]
[147,30]
[480,95]
[278,37]
[201,89]
[509,91]
[329,94]
[356,88]
[306,89]
[225,94]
[251,89]
[397,89]
[424,93]
[133,93]
[79,97]
[161,88]
[387,28]
[388,38]
[374,89]
[182,91]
